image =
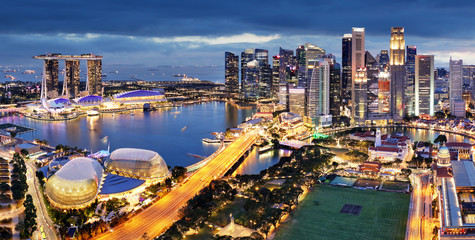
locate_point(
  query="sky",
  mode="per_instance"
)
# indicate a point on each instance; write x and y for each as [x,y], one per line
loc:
[160,32]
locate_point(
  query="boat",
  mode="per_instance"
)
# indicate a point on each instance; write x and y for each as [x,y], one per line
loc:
[184,128]
[92,113]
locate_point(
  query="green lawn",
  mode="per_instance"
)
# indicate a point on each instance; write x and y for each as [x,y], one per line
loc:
[383,215]
[221,217]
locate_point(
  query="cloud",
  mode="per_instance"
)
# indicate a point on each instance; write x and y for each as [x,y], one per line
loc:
[241,38]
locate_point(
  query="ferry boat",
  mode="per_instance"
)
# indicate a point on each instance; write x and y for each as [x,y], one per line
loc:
[92,113]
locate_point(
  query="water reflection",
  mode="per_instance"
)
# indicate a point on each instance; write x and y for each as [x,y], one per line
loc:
[159,130]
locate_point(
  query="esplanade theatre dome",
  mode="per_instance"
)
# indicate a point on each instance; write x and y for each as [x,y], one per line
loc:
[139,163]
[76,184]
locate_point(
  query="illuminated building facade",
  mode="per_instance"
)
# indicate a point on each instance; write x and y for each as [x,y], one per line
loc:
[455,86]
[246,56]
[398,72]
[317,104]
[50,74]
[72,77]
[275,76]
[411,52]
[231,72]
[346,69]
[71,83]
[358,62]
[424,85]
[360,82]
[285,64]
[94,77]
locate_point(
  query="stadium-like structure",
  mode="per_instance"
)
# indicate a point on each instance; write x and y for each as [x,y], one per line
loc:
[137,163]
[76,184]
[139,96]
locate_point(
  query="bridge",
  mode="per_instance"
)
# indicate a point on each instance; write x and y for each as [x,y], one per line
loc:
[10,110]
[155,219]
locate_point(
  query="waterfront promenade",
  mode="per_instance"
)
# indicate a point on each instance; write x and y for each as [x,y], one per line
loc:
[155,219]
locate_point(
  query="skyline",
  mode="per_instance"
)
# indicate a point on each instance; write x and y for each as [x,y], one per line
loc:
[199,33]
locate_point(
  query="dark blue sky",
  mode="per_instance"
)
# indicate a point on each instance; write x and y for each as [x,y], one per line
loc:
[195,32]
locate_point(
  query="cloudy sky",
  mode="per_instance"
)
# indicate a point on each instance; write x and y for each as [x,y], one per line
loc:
[161,32]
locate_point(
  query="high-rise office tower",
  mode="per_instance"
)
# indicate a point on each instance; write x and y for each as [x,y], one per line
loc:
[301,64]
[261,55]
[265,80]
[312,52]
[275,76]
[455,85]
[411,52]
[357,62]
[424,85]
[335,88]
[94,77]
[72,77]
[251,88]
[468,76]
[398,72]
[397,46]
[346,69]
[384,92]
[383,60]
[285,64]
[246,56]
[361,90]
[372,70]
[50,73]
[317,93]
[231,72]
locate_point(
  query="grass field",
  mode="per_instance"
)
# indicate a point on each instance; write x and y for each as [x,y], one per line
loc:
[383,215]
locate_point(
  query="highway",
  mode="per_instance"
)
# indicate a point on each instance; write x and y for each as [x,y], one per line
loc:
[41,212]
[160,215]
[419,220]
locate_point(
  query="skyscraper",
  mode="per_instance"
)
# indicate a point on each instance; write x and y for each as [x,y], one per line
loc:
[411,52]
[398,72]
[372,70]
[246,56]
[251,88]
[335,88]
[72,77]
[301,65]
[357,63]
[312,52]
[94,77]
[397,45]
[275,76]
[317,107]
[383,60]
[424,85]
[361,91]
[455,85]
[231,72]
[261,55]
[285,64]
[50,73]
[468,76]
[346,69]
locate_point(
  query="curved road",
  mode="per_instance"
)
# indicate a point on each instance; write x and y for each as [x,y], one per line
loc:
[157,218]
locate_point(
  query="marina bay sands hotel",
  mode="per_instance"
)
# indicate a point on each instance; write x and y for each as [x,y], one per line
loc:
[71,89]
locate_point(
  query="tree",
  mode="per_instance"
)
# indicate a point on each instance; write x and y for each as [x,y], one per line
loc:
[30,216]
[41,177]
[24,152]
[168,182]
[440,139]
[179,173]
[440,115]
[12,134]
[335,165]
